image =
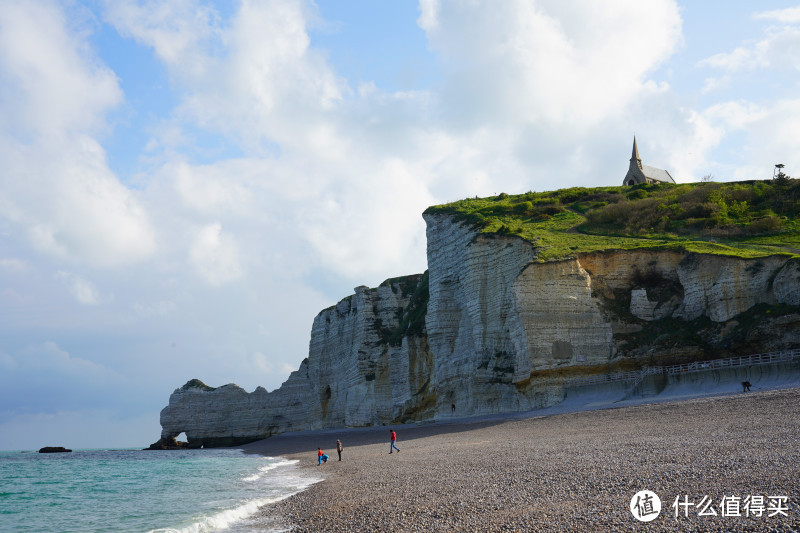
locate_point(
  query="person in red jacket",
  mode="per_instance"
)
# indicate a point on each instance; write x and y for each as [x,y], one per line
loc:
[320,455]
[392,439]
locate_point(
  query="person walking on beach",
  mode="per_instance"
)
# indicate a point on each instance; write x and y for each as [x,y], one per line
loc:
[392,439]
[339,448]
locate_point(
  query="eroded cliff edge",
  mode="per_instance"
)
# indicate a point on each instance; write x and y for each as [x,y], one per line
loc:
[492,329]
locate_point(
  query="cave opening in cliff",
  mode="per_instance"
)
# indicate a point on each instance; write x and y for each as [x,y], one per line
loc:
[182,437]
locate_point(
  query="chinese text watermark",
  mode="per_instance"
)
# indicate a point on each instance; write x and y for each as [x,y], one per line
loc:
[646,506]
[755,505]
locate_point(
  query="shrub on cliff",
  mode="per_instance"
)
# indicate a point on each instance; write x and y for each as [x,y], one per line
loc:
[749,218]
[197,384]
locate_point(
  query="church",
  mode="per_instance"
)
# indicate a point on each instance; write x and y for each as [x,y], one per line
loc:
[639,173]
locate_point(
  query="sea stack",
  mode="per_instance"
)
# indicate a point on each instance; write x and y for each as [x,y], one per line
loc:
[54,449]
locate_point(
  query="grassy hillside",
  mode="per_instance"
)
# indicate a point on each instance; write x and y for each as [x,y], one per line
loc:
[746,219]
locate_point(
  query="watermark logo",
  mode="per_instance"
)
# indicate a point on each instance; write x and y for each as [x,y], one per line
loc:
[645,506]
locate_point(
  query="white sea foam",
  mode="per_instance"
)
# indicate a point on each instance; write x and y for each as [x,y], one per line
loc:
[280,485]
[271,466]
[223,519]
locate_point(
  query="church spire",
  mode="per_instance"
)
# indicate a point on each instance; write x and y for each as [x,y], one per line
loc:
[635,154]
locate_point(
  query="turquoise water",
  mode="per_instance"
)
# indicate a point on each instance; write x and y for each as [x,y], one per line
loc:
[131,490]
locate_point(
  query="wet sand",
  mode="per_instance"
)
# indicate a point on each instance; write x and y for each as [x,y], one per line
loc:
[565,472]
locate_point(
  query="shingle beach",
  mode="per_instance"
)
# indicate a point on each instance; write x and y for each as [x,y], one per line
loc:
[567,472]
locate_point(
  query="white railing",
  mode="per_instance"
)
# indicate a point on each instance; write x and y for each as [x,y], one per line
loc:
[637,376]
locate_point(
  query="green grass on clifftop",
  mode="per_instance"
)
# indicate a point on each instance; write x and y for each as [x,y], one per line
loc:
[744,219]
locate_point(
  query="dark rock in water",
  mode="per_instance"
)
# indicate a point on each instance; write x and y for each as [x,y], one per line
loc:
[168,444]
[54,449]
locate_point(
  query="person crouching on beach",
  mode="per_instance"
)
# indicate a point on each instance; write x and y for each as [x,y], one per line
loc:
[339,448]
[392,439]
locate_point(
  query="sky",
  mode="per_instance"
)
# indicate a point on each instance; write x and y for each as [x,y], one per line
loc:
[185,184]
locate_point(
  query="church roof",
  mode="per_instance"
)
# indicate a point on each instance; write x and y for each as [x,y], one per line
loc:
[657,174]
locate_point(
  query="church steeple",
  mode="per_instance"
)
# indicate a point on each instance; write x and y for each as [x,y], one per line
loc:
[639,173]
[635,155]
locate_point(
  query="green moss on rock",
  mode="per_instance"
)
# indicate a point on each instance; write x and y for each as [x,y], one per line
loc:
[197,384]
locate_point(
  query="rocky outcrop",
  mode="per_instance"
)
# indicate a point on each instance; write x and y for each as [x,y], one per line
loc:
[54,449]
[472,311]
[363,367]
[786,285]
[368,363]
[168,444]
[492,329]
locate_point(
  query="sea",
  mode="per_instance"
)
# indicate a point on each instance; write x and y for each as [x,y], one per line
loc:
[171,491]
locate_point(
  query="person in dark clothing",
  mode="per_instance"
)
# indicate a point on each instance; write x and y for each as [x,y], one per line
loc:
[746,386]
[339,448]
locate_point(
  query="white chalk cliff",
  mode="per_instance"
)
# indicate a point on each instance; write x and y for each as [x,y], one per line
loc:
[492,329]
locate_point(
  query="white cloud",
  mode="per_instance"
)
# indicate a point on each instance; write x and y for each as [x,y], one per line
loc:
[162,309]
[83,291]
[50,358]
[350,173]
[255,79]
[276,85]
[51,83]
[215,256]
[71,206]
[214,190]
[565,63]
[713,83]
[778,49]
[766,123]
[262,363]
[288,368]
[13,264]
[269,88]
[771,135]
[56,186]
[178,31]
[790,15]
[739,59]
[736,115]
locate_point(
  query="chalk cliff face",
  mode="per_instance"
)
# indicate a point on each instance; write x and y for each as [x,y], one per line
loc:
[368,363]
[490,329]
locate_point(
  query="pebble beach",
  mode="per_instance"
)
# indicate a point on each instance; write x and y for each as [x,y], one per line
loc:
[733,456]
